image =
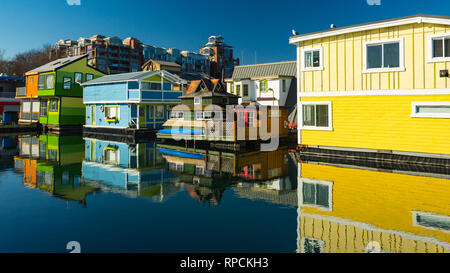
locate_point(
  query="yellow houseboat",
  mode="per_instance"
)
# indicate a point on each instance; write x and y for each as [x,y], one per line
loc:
[353,209]
[376,87]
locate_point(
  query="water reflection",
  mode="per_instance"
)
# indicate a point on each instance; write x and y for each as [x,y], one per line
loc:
[350,209]
[134,170]
[339,208]
[207,174]
[53,164]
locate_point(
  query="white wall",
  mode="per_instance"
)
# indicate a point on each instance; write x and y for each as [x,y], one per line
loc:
[254,91]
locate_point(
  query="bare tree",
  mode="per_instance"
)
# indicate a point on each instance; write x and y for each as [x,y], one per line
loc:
[26,61]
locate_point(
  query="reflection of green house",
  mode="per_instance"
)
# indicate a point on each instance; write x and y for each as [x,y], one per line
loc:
[60,93]
[59,167]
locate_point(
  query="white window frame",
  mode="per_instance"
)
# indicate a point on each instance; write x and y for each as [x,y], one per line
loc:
[304,51]
[430,58]
[197,100]
[320,182]
[316,128]
[384,69]
[416,224]
[176,115]
[414,113]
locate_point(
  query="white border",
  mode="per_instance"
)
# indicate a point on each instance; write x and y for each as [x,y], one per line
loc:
[430,58]
[414,113]
[414,220]
[404,92]
[375,25]
[329,184]
[382,42]
[314,128]
[302,60]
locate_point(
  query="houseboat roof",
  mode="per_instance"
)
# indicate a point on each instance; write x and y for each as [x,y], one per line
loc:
[133,76]
[419,18]
[6,78]
[206,88]
[165,63]
[57,64]
[277,69]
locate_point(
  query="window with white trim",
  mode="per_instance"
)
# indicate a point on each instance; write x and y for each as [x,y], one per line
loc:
[177,115]
[430,110]
[312,59]
[316,193]
[383,56]
[316,115]
[197,100]
[431,221]
[439,46]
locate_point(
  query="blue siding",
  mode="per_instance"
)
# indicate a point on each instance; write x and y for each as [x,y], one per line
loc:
[105,92]
[123,121]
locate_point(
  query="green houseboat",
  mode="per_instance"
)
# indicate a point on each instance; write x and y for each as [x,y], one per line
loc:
[60,92]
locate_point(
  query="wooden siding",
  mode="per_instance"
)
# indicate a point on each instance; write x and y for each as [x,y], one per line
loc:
[343,62]
[375,206]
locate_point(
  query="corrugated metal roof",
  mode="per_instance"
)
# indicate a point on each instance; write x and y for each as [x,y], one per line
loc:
[133,76]
[52,66]
[265,70]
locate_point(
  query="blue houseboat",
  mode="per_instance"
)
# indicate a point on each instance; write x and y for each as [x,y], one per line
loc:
[131,102]
[134,170]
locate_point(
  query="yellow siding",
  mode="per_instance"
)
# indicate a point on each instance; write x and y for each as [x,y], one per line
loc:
[343,61]
[376,206]
[381,122]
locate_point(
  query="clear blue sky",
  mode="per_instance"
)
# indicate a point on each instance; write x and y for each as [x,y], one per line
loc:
[248,25]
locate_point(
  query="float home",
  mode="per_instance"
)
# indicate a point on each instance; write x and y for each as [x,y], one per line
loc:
[379,88]
[209,114]
[130,102]
[271,84]
[59,101]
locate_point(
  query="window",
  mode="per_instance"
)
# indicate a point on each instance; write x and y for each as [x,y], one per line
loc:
[283,85]
[238,89]
[439,48]
[430,110]
[245,90]
[31,79]
[431,221]
[111,155]
[78,77]
[53,105]
[159,114]
[231,88]
[310,245]
[316,193]
[89,77]
[50,81]
[384,56]
[198,115]
[43,110]
[150,111]
[312,59]
[197,101]
[112,113]
[316,116]
[67,83]
[263,86]
[177,115]
[41,82]
[151,86]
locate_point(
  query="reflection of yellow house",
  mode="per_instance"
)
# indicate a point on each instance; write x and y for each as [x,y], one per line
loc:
[345,209]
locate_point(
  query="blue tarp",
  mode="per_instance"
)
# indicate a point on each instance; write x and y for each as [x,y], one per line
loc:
[180,154]
[180,131]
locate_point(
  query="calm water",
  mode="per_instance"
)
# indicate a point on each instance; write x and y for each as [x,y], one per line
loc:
[114,197]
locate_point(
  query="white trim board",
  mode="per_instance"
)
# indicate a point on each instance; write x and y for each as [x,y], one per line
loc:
[365,27]
[399,92]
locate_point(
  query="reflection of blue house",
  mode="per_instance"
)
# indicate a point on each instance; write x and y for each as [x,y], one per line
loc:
[138,100]
[138,170]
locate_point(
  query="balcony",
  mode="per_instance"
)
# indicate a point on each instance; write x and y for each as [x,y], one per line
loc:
[21,92]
